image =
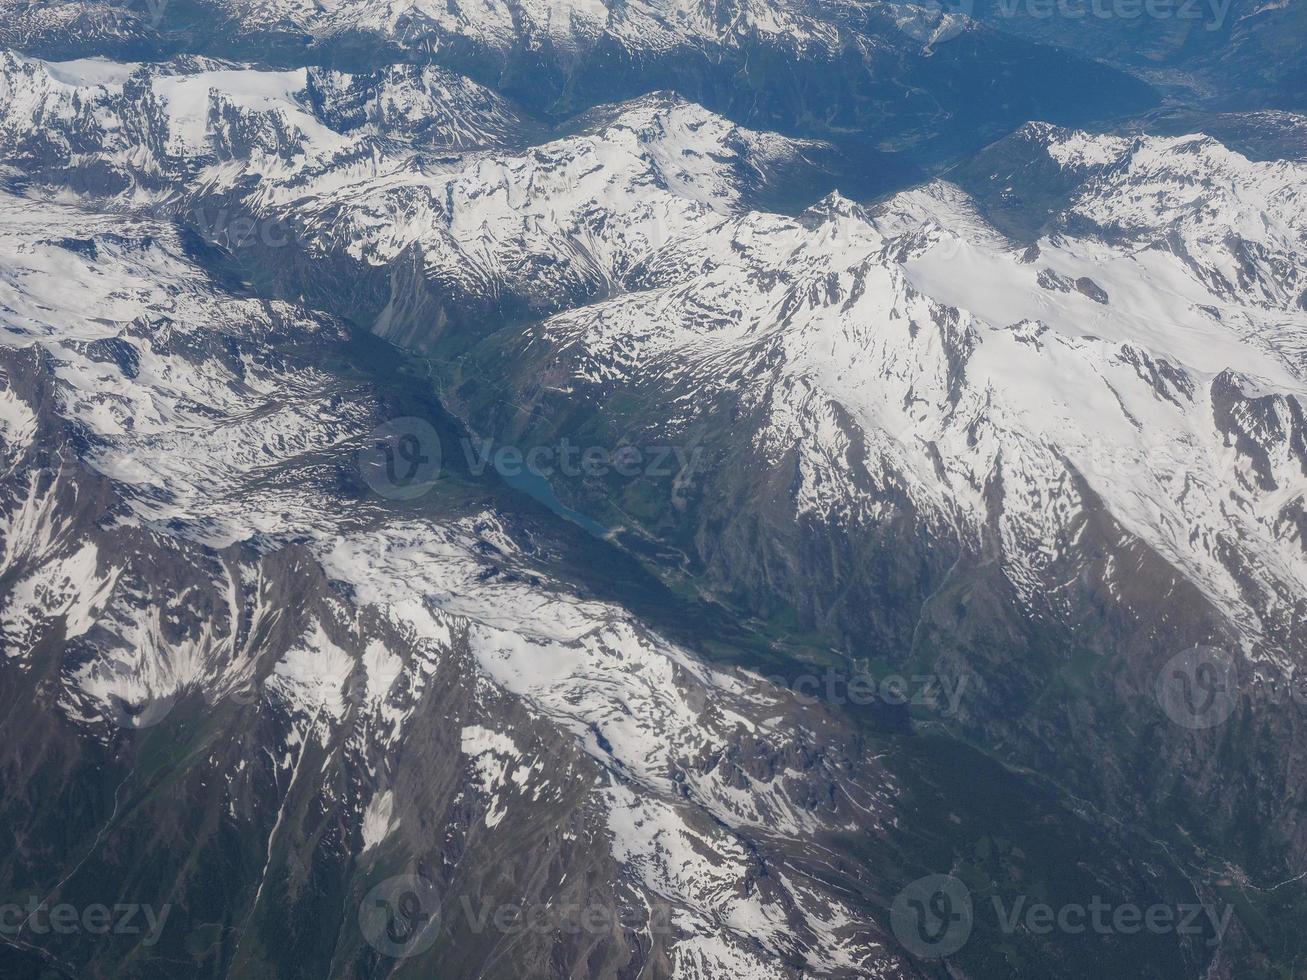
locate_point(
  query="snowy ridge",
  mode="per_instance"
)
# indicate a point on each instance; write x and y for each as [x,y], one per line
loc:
[566,219]
[1126,393]
[921,339]
[423,106]
[908,335]
[183,370]
[1237,223]
[569,25]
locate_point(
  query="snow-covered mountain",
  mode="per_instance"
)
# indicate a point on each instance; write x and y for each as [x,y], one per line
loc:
[908,417]
[1146,355]
[827,70]
[510,233]
[1034,430]
[1100,431]
[175,546]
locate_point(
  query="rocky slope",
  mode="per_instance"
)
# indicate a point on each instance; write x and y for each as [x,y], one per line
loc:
[249,682]
[193,610]
[924,438]
[1236,54]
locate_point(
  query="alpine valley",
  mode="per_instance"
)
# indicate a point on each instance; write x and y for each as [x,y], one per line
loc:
[760,353]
